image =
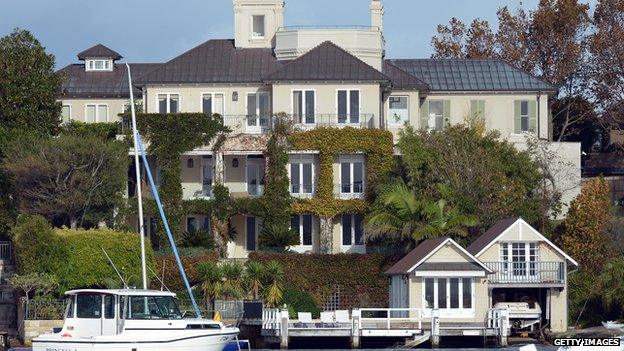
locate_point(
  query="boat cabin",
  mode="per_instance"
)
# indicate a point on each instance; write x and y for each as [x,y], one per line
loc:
[95,312]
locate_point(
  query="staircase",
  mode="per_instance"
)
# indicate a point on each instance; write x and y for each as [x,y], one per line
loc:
[417,340]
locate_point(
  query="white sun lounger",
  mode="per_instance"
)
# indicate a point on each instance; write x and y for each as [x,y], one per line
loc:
[342,317]
[327,319]
[305,319]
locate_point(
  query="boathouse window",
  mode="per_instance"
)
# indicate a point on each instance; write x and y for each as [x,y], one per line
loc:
[519,258]
[450,293]
[89,306]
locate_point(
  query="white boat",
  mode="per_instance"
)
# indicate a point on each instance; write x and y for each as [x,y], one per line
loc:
[522,315]
[135,319]
[131,319]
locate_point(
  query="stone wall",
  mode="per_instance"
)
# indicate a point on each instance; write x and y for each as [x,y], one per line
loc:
[34,328]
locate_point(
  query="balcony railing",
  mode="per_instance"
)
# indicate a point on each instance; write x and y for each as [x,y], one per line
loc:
[527,272]
[354,120]
[5,251]
[255,189]
[349,190]
[304,191]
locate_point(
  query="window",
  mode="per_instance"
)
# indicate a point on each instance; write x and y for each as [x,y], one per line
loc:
[301,175]
[109,306]
[303,106]
[191,224]
[436,114]
[519,258]
[352,229]
[168,103]
[258,26]
[255,176]
[96,113]
[99,65]
[252,230]
[450,293]
[477,108]
[351,176]
[153,307]
[207,176]
[212,103]
[89,306]
[69,310]
[258,110]
[524,116]
[302,224]
[398,112]
[348,106]
[66,113]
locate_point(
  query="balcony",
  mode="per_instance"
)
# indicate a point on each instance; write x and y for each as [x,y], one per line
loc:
[302,191]
[349,190]
[527,273]
[311,121]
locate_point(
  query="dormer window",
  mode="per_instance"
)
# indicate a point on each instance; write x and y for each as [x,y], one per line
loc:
[99,65]
[257,26]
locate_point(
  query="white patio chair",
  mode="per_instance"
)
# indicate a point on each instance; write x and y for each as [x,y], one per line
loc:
[327,319]
[305,319]
[342,317]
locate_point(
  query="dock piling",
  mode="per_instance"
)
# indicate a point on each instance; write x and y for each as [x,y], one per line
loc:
[284,330]
[435,328]
[504,327]
[355,331]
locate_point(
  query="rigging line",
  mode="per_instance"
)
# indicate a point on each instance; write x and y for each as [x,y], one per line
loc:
[163,217]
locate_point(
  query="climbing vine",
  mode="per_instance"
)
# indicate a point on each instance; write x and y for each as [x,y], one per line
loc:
[169,137]
[377,144]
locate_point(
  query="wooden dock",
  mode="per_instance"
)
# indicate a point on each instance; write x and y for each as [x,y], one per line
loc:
[406,323]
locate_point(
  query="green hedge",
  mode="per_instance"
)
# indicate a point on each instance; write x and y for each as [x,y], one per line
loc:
[359,277]
[75,256]
[172,278]
[300,301]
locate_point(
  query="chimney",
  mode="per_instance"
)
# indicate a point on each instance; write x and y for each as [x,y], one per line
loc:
[377,12]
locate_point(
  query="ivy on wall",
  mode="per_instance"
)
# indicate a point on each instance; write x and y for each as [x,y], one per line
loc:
[376,144]
[169,137]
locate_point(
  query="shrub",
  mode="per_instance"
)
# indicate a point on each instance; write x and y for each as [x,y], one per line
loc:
[300,301]
[171,275]
[74,256]
[359,277]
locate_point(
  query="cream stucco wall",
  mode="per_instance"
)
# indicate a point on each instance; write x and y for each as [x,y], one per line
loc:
[499,111]
[273,12]
[78,108]
[326,98]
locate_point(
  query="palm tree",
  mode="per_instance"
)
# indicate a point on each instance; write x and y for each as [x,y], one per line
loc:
[232,286]
[400,215]
[253,278]
[211,277]
[274,290]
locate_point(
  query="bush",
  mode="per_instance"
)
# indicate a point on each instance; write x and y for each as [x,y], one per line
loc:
[300,301]
[75,256]
[172,278]
[196,238]
[358,277]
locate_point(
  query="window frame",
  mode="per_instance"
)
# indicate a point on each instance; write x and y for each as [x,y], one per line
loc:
[97,113]
[448,311]
[352,231]
[301,160]
[441,102]
[257,227]
[168,99]
[304,100]
[526,117]
[348,102]
[300,229]
[506,255]
[392,121]
[257,116]
[351,160]
[207,161]
[212,105]
[264,26]
[92,63]
[69,118]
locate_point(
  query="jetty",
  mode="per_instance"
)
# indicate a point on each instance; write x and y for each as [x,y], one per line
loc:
[408,323]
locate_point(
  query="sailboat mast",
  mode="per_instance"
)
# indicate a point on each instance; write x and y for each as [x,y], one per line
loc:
[137,170]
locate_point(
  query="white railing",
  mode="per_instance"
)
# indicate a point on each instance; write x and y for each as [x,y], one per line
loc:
[389,318]
[271,318]
[498,318]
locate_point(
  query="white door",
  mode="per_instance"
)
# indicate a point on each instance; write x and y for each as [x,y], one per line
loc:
[88,315]
[255,176]
[109,317]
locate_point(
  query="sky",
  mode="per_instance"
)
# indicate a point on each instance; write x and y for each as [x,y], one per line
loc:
[158,30]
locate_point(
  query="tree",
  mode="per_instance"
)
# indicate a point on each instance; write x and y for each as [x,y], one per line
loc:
[70,180]
[455,41]
[400,216]
[37,283]
[211,282]
[28,85]
[253,278]
[273,282]
[584,235]
[480,174]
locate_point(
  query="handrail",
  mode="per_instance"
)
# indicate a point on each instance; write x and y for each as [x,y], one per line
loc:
[413,315]
[526,272]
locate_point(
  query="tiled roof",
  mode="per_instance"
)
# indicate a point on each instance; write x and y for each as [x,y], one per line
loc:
[99,50]
[491,234]
[402,80]
[215,61]
[327,62]
[415,256]
[472,75]
[81,84]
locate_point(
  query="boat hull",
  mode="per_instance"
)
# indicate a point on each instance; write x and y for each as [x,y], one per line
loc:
[181,342]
